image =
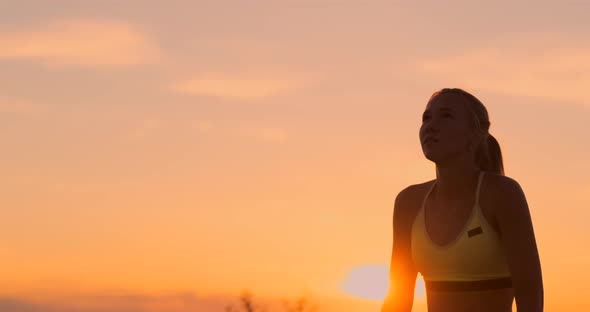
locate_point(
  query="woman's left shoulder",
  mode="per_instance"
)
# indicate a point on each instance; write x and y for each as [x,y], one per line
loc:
[503,187]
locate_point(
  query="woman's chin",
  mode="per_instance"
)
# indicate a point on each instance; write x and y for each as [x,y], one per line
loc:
[430,155]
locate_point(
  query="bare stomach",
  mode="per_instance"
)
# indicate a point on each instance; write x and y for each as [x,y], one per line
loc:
[498,300]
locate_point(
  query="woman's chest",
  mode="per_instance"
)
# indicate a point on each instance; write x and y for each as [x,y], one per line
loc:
[445,221]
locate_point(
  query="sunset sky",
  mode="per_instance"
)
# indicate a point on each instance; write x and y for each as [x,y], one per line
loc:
[169,155]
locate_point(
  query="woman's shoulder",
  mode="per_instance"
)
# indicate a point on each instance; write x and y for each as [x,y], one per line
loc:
[501,183]
[414,191]
[410,198]
[501,189]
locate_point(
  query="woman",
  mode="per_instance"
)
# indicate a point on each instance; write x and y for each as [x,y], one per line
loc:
[469,231]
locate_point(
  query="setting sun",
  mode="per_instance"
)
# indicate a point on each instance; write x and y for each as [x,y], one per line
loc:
[370,281]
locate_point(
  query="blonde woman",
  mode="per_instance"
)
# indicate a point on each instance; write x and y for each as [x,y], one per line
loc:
[469,231]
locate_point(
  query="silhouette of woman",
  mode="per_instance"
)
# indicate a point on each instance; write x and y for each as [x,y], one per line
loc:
[468,232]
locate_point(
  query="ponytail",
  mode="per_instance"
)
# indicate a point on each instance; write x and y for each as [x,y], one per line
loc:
[488,156]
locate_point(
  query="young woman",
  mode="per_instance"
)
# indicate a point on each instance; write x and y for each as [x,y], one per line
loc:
[469,231]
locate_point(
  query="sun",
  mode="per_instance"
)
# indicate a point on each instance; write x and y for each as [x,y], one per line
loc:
[370,281]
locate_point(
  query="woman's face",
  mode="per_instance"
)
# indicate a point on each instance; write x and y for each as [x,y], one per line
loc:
[447,128]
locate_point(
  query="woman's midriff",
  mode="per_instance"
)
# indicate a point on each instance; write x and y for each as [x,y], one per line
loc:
[497,300]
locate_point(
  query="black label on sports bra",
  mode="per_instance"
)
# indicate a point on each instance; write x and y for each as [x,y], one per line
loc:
[475,231]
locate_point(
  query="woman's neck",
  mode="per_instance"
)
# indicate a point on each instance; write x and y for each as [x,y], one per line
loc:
[457,181]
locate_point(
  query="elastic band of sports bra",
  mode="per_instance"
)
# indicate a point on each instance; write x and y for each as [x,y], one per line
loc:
[498,283]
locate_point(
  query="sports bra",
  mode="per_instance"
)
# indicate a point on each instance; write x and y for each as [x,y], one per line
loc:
[476,255]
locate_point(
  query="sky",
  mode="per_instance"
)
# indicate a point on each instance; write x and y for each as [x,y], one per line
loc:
[170,156]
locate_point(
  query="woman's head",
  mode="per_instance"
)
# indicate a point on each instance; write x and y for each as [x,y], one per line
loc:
[456,125]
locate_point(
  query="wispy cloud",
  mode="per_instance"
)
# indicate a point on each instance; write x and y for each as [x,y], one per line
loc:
[261,133]
[14,106]
[546,65]
[143,129]
[236,86]
[202,126]
[81,43]
[265,134]
[584,192]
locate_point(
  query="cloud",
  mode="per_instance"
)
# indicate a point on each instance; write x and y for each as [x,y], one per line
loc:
[250,132]
[235,86]
[266,134]
[202,126]
[544,65]
[584,193]
[143,129]
[13,106]
[272,135]
[80,43]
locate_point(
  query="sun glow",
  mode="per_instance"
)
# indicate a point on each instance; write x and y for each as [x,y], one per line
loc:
[371,281]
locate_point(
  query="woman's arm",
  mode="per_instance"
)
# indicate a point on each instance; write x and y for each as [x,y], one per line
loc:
[402,277]
[518,239]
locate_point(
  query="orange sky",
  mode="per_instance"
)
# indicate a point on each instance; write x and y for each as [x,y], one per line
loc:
[180,153]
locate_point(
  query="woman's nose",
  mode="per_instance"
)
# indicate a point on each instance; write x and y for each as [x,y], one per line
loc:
[430,125]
